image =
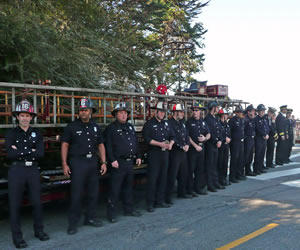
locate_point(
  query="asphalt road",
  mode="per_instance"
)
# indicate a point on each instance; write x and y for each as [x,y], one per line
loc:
[206,222]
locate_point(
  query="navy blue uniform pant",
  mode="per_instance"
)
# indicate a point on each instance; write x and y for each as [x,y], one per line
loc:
[260,149]
[211,160]
[248,153]
[121,179]
[236,158]
[197,176]
[290,144]
[177,169]
[270,152]
[157,176]
[20,177]
[223,155]
[84,177]
[280,150]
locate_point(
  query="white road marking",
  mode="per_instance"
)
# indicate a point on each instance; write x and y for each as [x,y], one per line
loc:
[276,174]
[294,155]
[295,183]
[287,165]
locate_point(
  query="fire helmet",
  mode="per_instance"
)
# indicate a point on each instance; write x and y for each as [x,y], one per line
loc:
[86,103]
[120,107]
[161,89]
[24,107]
[198,105]
[178,107]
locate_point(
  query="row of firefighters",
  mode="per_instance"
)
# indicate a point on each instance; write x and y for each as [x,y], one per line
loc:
[194,153]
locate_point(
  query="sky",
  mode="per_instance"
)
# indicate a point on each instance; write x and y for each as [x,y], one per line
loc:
[253,46]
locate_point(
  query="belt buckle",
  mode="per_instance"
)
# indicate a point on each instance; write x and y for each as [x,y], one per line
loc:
[200,143]
[28,163]
[128,159]
[89,156]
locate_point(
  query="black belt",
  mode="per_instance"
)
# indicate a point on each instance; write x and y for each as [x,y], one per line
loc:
[85,156]
[25,163]
[237,140]
[129,158]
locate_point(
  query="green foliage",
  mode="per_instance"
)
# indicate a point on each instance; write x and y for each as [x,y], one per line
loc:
[99,43]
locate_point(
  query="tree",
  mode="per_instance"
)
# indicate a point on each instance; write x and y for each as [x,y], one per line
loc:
[98,43]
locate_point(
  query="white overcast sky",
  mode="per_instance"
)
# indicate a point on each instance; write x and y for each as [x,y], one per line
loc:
[253,46]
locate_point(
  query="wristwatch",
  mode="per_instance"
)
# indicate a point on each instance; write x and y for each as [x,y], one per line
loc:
[104,162]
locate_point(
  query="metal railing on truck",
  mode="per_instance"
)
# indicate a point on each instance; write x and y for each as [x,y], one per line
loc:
[56,105]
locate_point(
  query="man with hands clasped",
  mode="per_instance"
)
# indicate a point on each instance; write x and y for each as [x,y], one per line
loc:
[178,156]
[212,146]
[199,134]
[122,152]
[82,144]
[160,139]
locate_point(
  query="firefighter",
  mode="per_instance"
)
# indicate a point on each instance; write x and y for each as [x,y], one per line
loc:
[122,152]
[212,146]
[281,127]
[249,139]
[237,125]
[24,146]
[273,136]
[178,155]
[223,152]
[199,134]
[290,141]
[160,139]
[260,139]
[82,141]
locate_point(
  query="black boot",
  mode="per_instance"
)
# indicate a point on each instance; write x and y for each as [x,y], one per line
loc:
[20,243]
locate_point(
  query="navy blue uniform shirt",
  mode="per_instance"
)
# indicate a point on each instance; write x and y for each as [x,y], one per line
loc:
[268,122]
[272,128]
[271,125]
[180,132]
[249,127]
[261,126]
[158,131]
[225,130]
[214,128]
[281,124]
[237,128]
[83,138]
[25,142]
[121,141]
[196,128]
[290,129]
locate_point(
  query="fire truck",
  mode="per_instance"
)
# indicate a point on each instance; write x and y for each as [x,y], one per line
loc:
[56,106]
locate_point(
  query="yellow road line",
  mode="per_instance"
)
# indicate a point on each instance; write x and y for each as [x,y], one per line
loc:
[248,237]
